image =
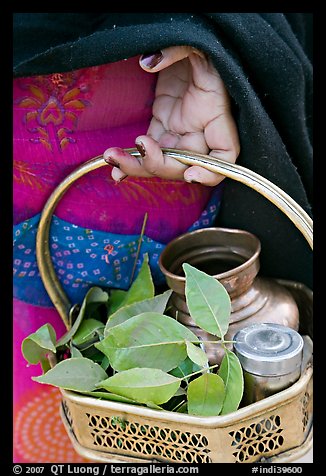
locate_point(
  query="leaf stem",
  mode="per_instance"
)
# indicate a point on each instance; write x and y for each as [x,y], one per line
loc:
[178,405]
[153,344]
[139,246]
[199,371]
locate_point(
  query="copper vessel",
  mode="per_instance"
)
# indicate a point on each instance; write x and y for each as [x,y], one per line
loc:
[232,257]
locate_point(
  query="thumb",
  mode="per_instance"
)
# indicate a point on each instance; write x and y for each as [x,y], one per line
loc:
[158,60]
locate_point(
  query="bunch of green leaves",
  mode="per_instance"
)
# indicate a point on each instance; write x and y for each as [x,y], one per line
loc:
[123,346]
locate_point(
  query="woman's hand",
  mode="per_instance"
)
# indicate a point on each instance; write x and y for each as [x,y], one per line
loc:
[191,111]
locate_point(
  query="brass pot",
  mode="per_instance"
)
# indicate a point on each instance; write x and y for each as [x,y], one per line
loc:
[232,257]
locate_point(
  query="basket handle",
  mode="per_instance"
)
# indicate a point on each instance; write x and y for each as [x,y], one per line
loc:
[236,172]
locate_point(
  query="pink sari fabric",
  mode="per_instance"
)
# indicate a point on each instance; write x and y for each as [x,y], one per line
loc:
[60,121]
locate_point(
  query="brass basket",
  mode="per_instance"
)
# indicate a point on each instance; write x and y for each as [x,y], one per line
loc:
[277,428]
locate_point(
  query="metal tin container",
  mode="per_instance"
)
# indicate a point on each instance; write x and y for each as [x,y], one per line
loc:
[271,357]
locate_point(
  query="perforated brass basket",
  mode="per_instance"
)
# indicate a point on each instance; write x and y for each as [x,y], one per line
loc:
[278,428]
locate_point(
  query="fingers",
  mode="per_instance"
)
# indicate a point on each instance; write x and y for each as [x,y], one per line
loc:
[158,60]
[222,138]
[219,140]
[155,164]
[118,175]
[123,164]
[151,164]
[197,174]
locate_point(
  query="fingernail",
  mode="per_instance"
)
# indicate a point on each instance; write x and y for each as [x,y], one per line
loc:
[120,179]
[151,59]
[191,180]
[112,162]
[141,148]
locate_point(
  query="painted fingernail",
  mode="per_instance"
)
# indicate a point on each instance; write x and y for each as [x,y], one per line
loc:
[141,148]
[191,180]
[112,162]
[151,59]
[121,179]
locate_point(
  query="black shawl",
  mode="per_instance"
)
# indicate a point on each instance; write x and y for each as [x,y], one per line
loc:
[265,60]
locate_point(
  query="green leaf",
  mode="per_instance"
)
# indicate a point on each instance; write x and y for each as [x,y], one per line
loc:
[94,298]
[142,288]
[231,372]
[208,302]
[145,385]
[147,340]
[187,367]
[87,331]
[117,297]
[156,304]
[74,352]
[93,354]
[37,345]
[206,395]
[105,364]
[183,408]
[181,392]
[117,398]
[45,364]
[196,354]
[78,374]
[109,396]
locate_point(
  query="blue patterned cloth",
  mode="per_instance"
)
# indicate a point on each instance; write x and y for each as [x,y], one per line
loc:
[83,258]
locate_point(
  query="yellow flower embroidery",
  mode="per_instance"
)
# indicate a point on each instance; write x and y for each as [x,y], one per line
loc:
[52,106]
[22,173]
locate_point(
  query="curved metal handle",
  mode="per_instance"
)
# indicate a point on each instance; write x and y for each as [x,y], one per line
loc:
[236,172]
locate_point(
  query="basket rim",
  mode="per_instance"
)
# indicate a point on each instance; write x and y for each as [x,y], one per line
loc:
[255,409]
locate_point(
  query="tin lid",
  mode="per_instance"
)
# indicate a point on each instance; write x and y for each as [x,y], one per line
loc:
[268,349]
